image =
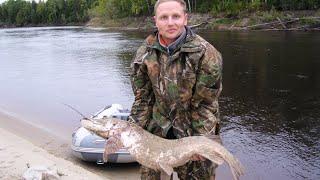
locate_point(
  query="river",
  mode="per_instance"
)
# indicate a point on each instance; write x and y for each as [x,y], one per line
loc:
[269,105]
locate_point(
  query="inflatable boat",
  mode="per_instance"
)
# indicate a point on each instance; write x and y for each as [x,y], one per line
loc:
[90,147]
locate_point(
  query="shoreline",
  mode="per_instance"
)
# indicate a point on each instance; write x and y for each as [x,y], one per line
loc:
[256,21]
[9,26]
[23,145]
[17,154]
[308,20]
[39,136]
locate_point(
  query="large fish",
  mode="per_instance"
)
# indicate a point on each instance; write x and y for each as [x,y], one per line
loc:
[158,153]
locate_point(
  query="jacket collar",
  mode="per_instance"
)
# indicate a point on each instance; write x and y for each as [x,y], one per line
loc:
[174,45]
[184,42]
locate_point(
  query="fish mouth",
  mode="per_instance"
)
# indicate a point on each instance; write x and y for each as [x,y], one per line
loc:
[90,124]
[85,123]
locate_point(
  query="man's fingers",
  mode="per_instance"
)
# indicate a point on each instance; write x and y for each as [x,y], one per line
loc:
[197,157]
[202,158]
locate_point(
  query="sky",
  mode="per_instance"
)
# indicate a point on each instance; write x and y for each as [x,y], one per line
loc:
[1,1]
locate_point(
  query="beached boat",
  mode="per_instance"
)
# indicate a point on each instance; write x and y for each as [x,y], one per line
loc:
[90,147]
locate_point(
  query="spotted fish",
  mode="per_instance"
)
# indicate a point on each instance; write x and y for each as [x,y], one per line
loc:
[158,153]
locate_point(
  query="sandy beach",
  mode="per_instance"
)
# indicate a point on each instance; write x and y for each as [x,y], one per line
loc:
[24,144]
[17,153]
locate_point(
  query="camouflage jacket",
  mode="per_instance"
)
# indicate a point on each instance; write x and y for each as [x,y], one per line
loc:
[178,89]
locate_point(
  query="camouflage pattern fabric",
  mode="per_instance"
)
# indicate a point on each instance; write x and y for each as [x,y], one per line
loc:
[177,90]
[192,170]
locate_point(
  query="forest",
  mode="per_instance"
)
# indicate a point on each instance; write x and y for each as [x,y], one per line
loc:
[64,12]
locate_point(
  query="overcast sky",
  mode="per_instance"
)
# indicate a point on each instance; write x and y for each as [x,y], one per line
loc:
[1,1]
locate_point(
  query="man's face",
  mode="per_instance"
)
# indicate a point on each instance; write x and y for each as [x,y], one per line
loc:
[170,20]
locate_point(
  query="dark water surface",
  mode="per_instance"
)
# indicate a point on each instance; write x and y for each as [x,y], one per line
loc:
[270,105]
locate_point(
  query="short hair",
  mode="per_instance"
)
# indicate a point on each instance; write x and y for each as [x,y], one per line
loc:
[181,2]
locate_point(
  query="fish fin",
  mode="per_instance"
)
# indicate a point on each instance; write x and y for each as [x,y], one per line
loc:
[166,169]
[235,166]
[213,137]
[113,144]
[214,157]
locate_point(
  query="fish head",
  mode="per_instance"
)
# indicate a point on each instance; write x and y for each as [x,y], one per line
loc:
[105,127]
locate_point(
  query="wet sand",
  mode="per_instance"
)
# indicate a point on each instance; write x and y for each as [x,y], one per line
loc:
[17,154]
[23,143]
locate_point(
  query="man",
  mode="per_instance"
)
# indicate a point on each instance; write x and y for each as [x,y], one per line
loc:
[176,79]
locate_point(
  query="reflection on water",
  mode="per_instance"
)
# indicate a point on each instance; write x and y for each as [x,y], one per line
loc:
[269,105]
[270,102]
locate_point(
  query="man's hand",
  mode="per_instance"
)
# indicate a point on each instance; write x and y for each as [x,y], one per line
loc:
[197,157]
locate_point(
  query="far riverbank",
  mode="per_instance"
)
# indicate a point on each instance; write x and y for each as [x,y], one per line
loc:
[261,20]
[264,20]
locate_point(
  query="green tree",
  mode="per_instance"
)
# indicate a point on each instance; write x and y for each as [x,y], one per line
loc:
[34,17]
[42,12]
[1,16]
[139,7]
[117,8]
[100,9]
[92,3]
[83,11]
[52,11]
[24,14]
[4,14]
[13,7]
[293,4]
[62,11]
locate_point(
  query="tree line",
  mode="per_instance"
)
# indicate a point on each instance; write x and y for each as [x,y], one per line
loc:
[125,8]
[21,12]
[50,12]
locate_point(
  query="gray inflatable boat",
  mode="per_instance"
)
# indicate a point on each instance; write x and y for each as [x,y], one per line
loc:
[90,147]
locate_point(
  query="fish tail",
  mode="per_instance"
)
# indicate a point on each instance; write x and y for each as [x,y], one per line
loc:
[219,154]
[235,166]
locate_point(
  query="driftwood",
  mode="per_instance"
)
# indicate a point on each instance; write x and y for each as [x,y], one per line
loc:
[284,24]
[268,24]
[200,24]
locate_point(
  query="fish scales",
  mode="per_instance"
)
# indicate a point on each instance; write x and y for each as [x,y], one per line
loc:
[158,153]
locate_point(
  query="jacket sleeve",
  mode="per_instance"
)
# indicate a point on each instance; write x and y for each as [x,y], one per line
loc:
[141,111]
[204,103]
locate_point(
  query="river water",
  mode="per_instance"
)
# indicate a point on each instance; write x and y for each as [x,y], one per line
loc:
[269,105]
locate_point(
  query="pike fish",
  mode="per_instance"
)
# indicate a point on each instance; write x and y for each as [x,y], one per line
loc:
[158,153]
